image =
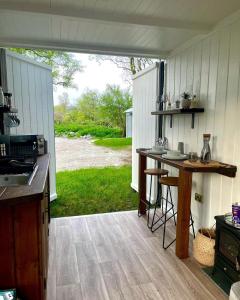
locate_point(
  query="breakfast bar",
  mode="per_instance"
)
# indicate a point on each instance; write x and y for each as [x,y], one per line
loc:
[184,191]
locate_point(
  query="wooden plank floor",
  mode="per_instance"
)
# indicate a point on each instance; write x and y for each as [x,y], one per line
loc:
[114,256]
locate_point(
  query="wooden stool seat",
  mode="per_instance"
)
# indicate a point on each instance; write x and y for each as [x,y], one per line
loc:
[170,181]
[156,172]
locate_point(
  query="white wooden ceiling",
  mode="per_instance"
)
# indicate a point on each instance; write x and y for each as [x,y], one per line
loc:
[138,27]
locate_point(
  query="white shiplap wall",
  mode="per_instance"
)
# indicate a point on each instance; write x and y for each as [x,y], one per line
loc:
[210,68]
[32,89]
[145,94]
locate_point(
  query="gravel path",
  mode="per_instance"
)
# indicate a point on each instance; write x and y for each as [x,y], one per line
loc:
[82,153]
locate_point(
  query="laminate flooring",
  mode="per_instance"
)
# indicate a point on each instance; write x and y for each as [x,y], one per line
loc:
[114,256]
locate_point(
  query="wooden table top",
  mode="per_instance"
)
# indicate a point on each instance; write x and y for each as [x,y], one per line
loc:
[24,192]
[220,168]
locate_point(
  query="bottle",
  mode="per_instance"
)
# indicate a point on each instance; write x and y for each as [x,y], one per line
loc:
[1,97]
[236,213]
[206,151]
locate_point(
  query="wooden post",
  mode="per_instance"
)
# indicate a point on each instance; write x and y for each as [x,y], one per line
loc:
[142,184]
[183,215]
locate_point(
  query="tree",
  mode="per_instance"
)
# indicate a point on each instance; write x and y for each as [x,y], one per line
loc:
[64,100]
[88,104]
[60,109]
[64,65]
[129,65]
[113,104]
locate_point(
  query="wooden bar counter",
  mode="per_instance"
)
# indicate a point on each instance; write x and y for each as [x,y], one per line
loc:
[24,235]
[184,191]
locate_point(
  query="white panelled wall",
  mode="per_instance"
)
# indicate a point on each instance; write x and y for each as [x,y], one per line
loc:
[32,89]
[209,68]
[145,95]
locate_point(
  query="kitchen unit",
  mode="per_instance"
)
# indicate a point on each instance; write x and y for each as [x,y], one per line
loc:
[24,222]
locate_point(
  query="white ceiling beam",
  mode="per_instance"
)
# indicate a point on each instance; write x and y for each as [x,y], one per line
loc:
[105,16]
[82,48]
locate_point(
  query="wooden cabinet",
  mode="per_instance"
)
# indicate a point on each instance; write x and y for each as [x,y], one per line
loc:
[24,244]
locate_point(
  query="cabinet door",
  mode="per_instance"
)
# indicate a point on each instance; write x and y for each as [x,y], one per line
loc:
[7,263]
[27,242]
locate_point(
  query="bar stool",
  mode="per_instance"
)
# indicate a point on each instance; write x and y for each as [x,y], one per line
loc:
[152,172]
[168,182]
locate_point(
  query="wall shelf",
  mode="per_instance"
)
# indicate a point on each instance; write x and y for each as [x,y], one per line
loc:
[180,111]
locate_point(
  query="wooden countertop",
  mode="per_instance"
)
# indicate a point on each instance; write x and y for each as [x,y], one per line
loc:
[222,168]
[11,195]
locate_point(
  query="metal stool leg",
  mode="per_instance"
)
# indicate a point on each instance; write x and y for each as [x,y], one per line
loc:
[192,224]
[165,217]
[157,202]
[172,206]
[149,201]
[163,213]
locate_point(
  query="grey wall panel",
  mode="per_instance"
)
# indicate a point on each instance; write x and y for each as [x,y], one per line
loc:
[32,88]
[144,132]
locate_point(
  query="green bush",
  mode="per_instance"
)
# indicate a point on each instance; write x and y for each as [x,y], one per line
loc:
[78,130]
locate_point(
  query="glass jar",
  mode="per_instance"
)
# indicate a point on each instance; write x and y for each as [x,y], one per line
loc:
[8,100]
[206,151]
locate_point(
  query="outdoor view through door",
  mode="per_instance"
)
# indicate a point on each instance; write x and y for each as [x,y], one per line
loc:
[93,130]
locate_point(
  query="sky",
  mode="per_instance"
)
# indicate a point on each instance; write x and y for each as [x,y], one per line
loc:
[94,76]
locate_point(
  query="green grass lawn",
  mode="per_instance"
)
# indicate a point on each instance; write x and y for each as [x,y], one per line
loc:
[94,190]
[114,143]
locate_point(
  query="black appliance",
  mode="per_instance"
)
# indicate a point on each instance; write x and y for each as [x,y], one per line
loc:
[21,153]
[227,250]
[24,145]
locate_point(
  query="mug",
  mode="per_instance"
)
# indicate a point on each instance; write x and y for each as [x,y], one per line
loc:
[181,147]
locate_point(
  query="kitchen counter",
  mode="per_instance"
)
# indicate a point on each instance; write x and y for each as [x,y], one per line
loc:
[34,191]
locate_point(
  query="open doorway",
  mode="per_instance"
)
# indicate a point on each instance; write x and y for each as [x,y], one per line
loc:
[93,134]
[93,154]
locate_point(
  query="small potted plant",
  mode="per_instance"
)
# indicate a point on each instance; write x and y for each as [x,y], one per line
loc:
[186,100]
[194,102]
